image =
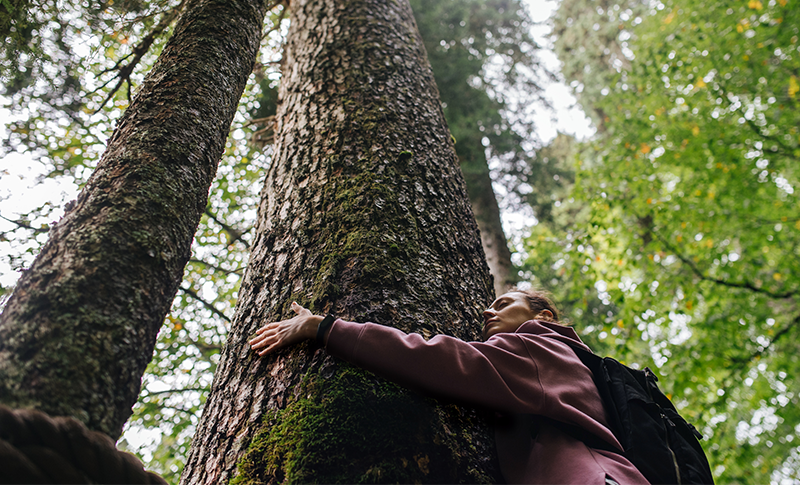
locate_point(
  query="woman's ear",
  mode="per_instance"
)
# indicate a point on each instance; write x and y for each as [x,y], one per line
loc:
[544,315]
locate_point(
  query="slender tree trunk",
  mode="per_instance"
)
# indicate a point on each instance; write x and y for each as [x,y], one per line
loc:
[487,213]
[364,214]
[80,328]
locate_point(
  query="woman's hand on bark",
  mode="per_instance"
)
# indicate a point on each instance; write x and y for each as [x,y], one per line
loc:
[276,335]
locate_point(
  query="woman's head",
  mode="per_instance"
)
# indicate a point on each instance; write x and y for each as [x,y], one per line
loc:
[516,307]
[538,301]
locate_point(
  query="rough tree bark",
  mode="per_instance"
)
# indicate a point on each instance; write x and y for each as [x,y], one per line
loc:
[364,214]
[80,328]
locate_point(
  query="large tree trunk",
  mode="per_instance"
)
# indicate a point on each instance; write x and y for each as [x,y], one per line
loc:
[78,332]
[364,214]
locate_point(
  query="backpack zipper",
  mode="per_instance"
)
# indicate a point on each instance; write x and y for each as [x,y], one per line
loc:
[669,447]
[650,375]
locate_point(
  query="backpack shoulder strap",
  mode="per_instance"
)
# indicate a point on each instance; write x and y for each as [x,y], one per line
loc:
[602,381]
[596,365]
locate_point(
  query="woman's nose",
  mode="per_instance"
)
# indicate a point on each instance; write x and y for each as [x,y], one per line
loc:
[488,313]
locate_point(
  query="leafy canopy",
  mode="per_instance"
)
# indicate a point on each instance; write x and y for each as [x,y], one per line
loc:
[678,242]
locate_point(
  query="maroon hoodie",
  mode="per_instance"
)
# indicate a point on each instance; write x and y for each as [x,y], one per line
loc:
[531,371]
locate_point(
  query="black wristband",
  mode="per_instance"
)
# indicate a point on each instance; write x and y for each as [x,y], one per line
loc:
[322,329]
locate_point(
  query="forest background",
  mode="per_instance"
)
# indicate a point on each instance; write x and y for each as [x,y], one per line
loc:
[670,236]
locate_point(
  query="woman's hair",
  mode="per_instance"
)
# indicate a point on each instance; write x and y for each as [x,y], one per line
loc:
[539,300]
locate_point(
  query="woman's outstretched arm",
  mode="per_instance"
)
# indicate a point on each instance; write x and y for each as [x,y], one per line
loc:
[501,374]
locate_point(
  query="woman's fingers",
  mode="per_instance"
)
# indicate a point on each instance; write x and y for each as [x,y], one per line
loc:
[276,335]
[300,310]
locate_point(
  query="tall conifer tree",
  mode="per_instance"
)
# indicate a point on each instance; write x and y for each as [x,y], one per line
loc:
[364,214]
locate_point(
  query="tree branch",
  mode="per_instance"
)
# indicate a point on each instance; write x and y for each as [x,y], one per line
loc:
[233,233]
[758,353]
[262,136]
[25,225]
[206,304]
[124,71]
[170,391]
[237,271]
[744,285]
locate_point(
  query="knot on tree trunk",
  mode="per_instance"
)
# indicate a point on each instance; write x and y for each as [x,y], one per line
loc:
[37,448]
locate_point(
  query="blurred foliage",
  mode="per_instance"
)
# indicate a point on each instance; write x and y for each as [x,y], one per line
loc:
[683,220]
[486,65]
[71,72]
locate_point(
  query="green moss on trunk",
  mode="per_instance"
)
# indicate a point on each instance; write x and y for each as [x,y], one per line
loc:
[340,423]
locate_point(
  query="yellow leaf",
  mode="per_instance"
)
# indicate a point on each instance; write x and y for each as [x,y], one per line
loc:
[794,87]
[649,201]
[695,130]
[746,57]
[776,276]
[783,2]
[755,5]
[739,28]
[797,224]
[700,84]
[620,324]
[645,148]
[679,238]
[670,17]
[689,304]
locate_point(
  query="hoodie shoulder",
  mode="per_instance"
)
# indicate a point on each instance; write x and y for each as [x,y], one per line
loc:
[551,330]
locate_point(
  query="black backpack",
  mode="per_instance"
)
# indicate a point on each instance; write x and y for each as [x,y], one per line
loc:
[656,439]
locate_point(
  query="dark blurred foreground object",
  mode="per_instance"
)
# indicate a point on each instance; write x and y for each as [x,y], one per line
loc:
[36,448]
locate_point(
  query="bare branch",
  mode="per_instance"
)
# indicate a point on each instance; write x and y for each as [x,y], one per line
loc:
[206,304]
[147,393]
[237,271]
[732,284]
[25,225]
[265,135]
[233,233]
[758,353]
[124,71]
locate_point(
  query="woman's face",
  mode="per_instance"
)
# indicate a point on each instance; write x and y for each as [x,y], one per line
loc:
[506,314]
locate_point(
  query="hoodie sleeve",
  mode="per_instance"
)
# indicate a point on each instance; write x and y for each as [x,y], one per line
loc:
[524,373]
[499,374]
